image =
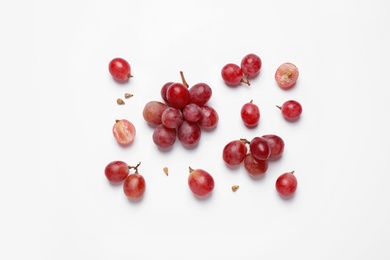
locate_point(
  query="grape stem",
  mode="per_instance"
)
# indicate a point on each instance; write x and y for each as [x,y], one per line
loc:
[245,141]
[246,81]
[135,167]
[279,107]
[191,170]
[183,79]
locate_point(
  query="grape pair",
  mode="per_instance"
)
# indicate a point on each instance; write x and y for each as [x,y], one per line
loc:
[233,74]
[255,159]
[182,114]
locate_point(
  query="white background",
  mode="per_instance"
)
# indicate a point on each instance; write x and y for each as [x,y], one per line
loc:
[58,105]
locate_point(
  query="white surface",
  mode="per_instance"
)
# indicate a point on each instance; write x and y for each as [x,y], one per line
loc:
[58,107]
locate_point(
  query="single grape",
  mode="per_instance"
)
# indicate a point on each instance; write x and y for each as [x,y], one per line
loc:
[171,117]
[201,183]
[164,137]
[286,75]
[189,134]
[124,132]
[251,65]
[291,110]
[119,69]
[286,184]
[234,152]
[116,171]
[178,95]
[209,118]
[152,112]
[276,144]
[192,112]
[200,94]
[163,91]
[134,185]
[259,148]
[250,114]
[253,167]
[232,74]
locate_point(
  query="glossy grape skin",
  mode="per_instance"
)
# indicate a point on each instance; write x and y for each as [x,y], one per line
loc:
[201,183]
[178,95]
[171,117]
[255,168]
[152,112]
[164,137]
[291,110]
[251,65]
[209,118]
[120,69]
[286,184]
[234,153]
[286,75]
[259,148]
[200,94]
[189,134]
[232,74]
[250,114]
[134,186]
[116,171]
[192,112]
[276,144]
[124,132]
[163,91]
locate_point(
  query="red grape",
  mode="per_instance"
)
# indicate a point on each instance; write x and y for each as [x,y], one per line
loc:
[209,117]
[134,185]
[116,171]
[250,114]
[259,148]
[163,91]
[200,94]
[286,75]
[124,132]
[276,144]
[189,134]
[234,153]
[120,69]
[178,95]
[191,112]
[153,111]
[286,184]
[164,137]
[291,110]
[171,117]
[201,183]
[251,65]
[231,74]
[255,168]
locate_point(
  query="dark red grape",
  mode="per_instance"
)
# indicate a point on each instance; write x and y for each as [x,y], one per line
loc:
[164,137]
[286,184]
[232,74]
[119,69]
[234,153]
[116,171]
[209,117]
[276,144]
[200,94]
[255,168]
[250,114]
[260,148]
[189,134]
[178,95]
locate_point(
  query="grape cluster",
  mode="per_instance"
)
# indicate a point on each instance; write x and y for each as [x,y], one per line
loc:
[181,115]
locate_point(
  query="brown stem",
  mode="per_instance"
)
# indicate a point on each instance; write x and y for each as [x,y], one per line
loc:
[246,81]
[135,167]
[245,141]
[183,79]
[279,107]
[191,170]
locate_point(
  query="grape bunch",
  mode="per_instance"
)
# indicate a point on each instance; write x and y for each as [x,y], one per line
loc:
[182,114]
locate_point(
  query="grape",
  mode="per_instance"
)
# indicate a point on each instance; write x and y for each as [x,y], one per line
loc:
[200,94]
[189,134]
[164,137]
[259,148]
[124,132]
[191,112]
[171,117]
[276,144]
[153,111]
[209,117]
[286,75]
[163,91]
[134,185]
[291,110]
[116,171]
[201,183]
[231,74]
[234,153]
[119,69]
[255,168]
[250,114]
[178,95]
[251,65]
[286,184]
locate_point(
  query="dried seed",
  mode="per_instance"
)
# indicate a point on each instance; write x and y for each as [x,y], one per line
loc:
[120,101]
[165,169]
[235,187]
[128,95]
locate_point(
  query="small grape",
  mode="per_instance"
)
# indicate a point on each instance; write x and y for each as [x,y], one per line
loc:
[189,134]
[164,137]
[124,132]
[232,74]
[250,114]
[153,111]
[119,69]
[116,171]
[255,168]
[286,184]
[251,65]
[291,110]
[163,91]
[234,153]
[209,118]
[192,112]
[286,75]
[178,95]
[201,183]
[171,117]
[259,148]
[276,144]
[200,94]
